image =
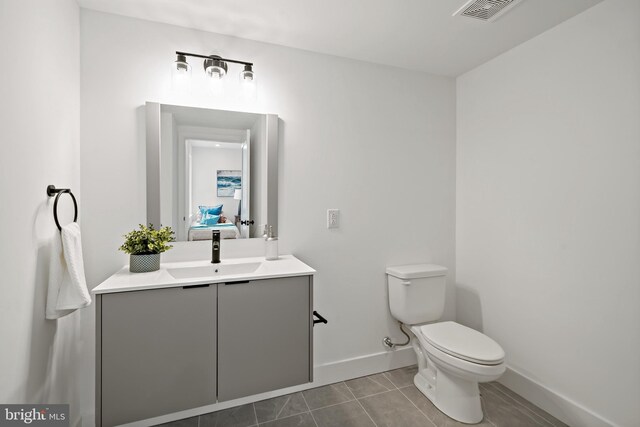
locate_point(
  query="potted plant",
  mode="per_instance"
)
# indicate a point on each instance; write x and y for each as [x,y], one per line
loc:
[144,247]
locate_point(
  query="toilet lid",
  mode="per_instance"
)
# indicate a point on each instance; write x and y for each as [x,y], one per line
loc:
[462,342]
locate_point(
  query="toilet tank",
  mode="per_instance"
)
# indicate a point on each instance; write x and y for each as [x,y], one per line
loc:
[416,292]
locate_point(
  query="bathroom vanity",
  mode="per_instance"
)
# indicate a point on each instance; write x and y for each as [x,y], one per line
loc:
[195,333]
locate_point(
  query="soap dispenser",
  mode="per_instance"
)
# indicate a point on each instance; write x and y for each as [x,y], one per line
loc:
[271,245]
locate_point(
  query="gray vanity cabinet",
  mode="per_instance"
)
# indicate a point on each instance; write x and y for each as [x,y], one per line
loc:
[158,352]
[264,335]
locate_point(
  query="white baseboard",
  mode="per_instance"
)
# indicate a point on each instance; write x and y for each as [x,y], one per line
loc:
[324,374]
[361,366]
[561,407]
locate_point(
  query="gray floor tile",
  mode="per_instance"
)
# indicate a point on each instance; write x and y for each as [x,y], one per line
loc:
[348,414]
[379,404]
[513,396]
[187,422]
[300,420]
[402,377]
[239,416]
[280,407]
[327,395]
[504,414]
[393,409]
[433,413]
[366,386]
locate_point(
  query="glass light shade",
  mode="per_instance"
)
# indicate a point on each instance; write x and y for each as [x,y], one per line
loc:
[248,83]
[247,75]
[181,65]
[181,74]
[215,67]
[216,85]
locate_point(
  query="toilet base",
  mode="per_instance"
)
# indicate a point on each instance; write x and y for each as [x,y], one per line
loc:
[457,398]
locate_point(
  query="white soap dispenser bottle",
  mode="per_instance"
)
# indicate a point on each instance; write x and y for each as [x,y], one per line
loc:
[271,246]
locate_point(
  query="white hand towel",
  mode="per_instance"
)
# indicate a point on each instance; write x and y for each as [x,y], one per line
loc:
[67,284]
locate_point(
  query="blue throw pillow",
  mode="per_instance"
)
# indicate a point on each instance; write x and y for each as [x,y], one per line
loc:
[208,219]
[210,210]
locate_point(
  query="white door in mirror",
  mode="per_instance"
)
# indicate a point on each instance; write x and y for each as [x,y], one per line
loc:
[333,218]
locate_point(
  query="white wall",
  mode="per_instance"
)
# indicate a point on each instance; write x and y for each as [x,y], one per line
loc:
[354,136]
[206,162]
[39,118]
[548,212]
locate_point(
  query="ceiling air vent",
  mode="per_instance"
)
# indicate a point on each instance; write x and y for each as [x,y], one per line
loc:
[486,10]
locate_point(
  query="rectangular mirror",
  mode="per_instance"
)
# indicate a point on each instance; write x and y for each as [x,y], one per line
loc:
[211,170]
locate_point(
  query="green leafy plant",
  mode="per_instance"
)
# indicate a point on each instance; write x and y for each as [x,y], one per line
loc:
[148,240]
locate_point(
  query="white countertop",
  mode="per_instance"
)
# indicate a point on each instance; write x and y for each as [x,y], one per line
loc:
[125,281]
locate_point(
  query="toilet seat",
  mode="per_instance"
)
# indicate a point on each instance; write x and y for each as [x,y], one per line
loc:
[463,343]
[455,365]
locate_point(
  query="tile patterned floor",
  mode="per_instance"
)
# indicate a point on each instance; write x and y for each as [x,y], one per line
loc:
[388,399]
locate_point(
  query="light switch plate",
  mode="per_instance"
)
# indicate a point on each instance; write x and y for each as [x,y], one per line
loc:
[333,218]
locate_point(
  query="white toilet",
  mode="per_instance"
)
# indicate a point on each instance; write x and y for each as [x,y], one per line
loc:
[452,359]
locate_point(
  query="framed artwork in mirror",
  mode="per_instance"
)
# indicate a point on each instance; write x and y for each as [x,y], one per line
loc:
[228,181]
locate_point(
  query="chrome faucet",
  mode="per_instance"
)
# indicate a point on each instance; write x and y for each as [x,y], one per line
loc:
[215,247]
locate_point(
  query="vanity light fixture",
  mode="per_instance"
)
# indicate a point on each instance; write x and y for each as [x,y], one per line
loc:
[215,68]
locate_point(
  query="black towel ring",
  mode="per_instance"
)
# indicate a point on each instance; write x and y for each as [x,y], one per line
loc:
[53,191]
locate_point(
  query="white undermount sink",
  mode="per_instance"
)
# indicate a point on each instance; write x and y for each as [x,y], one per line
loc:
[213,270]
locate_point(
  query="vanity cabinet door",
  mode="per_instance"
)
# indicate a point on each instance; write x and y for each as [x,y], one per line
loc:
[264,335]
[158,352]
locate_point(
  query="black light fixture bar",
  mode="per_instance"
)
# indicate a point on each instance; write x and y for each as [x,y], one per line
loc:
[195,55]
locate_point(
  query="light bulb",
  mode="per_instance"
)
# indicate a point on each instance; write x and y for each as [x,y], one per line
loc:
[215,72]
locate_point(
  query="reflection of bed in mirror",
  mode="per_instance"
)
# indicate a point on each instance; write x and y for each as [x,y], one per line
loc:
[206,218]
[228,230]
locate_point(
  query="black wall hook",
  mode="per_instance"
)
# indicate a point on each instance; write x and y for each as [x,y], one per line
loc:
[53,191]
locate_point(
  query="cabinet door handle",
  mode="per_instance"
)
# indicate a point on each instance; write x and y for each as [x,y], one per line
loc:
[239,282]
[320,318]
[195,286]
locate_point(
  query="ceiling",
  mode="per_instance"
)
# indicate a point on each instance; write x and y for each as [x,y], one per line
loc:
[414,34]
